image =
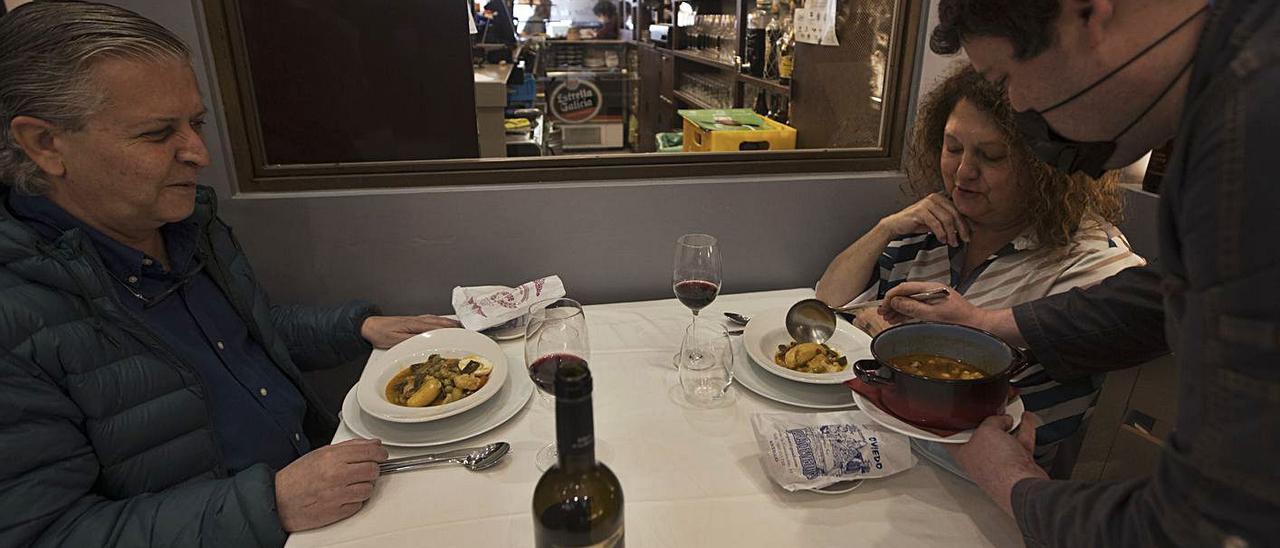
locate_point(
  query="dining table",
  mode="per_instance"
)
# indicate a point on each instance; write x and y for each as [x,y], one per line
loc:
[691,476]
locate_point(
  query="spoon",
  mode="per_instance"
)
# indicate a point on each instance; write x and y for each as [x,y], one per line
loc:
[737,318]
[473,458]
[812,320]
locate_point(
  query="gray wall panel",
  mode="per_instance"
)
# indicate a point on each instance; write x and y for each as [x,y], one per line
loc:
[608,241]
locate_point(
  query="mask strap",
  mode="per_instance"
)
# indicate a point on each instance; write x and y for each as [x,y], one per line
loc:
[1144,51]
[1153,104]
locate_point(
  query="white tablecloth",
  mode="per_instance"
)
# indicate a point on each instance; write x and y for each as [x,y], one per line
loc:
[691,477]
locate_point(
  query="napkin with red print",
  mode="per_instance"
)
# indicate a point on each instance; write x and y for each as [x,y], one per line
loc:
[482,307]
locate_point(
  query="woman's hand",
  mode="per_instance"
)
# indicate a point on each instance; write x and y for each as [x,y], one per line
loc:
[934,213]
[870,321]
[954,308]
[848,273]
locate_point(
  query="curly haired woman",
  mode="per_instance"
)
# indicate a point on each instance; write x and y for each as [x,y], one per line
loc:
[995,224]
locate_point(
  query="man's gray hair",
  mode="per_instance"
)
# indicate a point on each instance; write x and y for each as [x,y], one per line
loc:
[47,53]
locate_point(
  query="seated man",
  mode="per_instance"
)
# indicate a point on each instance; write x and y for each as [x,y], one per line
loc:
[150,393]
[996,225]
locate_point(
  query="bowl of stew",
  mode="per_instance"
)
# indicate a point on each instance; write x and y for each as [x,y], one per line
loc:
[941,375]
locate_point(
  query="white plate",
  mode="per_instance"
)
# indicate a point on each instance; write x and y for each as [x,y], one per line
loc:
[1014,409]
[766,331]
[493,413]
[449,343]
[811,396]
[511,330]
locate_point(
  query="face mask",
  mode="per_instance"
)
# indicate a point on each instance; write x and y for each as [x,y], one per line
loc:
[1070,156]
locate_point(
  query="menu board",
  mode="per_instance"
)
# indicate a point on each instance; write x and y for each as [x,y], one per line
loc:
[816,23]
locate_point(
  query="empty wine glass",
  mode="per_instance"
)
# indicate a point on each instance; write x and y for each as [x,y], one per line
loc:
[696,278]
[706,364]
[556,334]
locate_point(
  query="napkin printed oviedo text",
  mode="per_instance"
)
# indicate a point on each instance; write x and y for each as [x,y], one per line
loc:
[803,451]
[486,306]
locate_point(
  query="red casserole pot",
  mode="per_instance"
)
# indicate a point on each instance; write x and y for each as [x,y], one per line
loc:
[941,403]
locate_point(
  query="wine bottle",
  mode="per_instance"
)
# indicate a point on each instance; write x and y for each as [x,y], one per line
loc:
[762,103]
[772,32]
[787,51]
[783,114]
[578,501]
[753,61]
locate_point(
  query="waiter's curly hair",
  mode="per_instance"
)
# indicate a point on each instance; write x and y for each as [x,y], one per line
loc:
[1054,203]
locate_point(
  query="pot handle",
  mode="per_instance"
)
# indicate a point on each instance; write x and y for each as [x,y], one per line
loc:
[1022,359]
[869,372]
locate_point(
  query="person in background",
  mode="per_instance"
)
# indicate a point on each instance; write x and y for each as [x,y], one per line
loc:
[995,224]
[606,13]
[499,28]
[151,394]
[536,25]
[1097,84]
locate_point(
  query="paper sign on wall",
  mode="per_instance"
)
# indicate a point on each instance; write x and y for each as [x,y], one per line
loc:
[816,24]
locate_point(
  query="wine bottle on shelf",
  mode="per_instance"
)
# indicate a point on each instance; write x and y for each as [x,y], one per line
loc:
[753,61]
[787,51]
[762,103]
[772,33]
[783,114]
[578,502]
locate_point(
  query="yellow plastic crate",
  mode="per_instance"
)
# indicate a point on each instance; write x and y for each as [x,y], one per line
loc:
[781,137]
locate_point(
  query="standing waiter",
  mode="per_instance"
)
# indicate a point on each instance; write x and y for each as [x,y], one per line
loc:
[1097,83]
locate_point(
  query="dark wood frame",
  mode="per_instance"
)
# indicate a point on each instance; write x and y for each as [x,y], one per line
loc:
[253,175]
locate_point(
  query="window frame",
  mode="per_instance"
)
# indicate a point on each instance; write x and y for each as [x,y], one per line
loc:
[253,175]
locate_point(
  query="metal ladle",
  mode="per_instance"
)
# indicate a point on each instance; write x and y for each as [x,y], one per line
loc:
[812,320]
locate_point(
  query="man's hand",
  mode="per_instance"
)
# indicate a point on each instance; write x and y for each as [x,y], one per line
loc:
[997,460]
[388,331]
[328,484]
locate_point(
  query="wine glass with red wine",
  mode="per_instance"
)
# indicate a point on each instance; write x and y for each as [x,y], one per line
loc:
[556,334]
[696,278]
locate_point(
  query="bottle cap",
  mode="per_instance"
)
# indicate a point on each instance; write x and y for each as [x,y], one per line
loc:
[573,381]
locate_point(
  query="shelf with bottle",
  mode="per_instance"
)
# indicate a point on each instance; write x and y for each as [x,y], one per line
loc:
[703,59]
[774,86]
[706,90]
[711,35]
[689,99]
[769,46]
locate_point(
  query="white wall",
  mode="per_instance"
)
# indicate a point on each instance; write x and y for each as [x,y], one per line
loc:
[573,10]
[934,66]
